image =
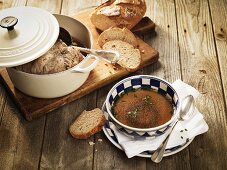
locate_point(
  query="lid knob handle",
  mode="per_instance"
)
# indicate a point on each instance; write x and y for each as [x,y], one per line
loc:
[8,22]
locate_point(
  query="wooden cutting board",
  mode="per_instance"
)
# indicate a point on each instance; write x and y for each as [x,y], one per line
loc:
[102,75]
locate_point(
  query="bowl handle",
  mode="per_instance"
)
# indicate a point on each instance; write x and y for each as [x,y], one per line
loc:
[87,64]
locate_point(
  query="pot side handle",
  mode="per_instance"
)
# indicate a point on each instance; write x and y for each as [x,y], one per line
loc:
[87,64]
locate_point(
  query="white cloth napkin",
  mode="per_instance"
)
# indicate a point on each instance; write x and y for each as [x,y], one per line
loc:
[183,131]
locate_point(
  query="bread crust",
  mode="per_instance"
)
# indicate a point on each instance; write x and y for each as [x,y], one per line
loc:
[94,130]
[115,33]
[130,57]
[90,133]
[130,13]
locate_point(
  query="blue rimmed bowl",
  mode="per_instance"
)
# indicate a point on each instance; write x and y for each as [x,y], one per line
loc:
[147,82]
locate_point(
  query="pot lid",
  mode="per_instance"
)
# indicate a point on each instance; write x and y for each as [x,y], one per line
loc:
[26,33]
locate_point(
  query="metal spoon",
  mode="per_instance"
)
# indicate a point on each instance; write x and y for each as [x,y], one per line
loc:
[108,55]
[187,109]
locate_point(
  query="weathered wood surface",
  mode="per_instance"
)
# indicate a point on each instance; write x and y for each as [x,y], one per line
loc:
[200,68]
[192,42]
[168,67]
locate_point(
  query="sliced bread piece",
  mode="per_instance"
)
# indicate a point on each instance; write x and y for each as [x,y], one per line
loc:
[88,123]
[116,33]
[118,45]
[130,57]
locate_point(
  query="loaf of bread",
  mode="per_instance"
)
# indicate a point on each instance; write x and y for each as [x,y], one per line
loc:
[118,13]
[123,41]
[116,33]
[59,58]
[87,124]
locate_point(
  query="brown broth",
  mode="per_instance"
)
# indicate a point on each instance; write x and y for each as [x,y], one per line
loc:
[143,109]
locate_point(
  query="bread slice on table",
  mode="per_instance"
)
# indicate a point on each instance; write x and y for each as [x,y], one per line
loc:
[87,124]
[130,57]
[116,33]
[120,13]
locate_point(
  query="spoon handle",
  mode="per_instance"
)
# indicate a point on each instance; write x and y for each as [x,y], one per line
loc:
[86,50]
[109,55]
[158,154]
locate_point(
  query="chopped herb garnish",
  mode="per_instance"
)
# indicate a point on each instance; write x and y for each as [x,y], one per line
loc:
[181,131]
[147,99]
[187,140]
[186,129]
[181,137]
[133,113]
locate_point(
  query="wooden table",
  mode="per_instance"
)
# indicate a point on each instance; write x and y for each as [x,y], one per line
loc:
[192,42]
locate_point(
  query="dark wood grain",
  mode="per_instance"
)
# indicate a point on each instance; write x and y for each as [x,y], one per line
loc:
[165,41]
[3,5]
[192,46]
[200,69]
[20,141]
[168,67]
[60,150]
[106,155]
[219,23]
[2,101]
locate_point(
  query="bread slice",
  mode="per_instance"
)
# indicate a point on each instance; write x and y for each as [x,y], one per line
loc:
[88,123]
[116,33]
[120,13]
[130,57]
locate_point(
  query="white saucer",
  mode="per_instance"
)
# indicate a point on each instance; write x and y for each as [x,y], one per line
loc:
[147,154]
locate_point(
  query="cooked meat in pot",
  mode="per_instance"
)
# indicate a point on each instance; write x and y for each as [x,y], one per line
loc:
[59,58]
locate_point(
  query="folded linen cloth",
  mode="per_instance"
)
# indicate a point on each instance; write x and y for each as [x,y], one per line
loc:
[183,131]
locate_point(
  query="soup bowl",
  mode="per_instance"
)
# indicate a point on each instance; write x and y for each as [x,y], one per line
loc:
[142,82]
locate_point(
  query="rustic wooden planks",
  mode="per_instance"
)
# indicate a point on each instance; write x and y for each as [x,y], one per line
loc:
[162,12]
[20,141]
[60,149]
[168,67]
[3,5]
[13,128]
[53,6]
[11,3]
[218,11]
[200,69]
[106,155]
[2,101]
[71,7]
[46,144]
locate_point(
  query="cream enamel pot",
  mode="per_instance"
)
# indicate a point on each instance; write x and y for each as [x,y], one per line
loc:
[62,83]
